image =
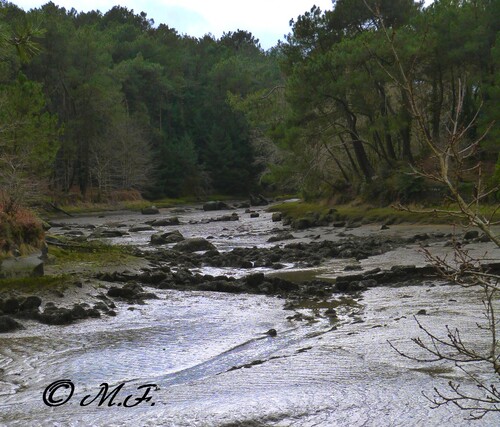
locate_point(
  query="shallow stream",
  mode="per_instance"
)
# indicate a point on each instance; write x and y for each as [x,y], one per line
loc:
[214,365]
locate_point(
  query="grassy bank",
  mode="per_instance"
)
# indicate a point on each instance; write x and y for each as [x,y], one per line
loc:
[134,205]
[368,214]
[72,263]
[33,285]
[93,256]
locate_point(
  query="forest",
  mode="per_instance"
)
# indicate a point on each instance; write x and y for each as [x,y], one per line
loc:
[101,103]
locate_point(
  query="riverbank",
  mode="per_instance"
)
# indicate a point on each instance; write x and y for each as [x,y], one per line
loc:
[323,212]
[95,261]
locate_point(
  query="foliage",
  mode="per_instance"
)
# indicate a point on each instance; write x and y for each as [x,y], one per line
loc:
[19,231]
[346,118]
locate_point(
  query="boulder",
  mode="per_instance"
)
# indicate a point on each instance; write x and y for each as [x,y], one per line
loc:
[258,200]
[130,291]
[254,215]
[56,316]
[194,245]
[78,312]
[254,280]
[471,234]
[152,210]
[165,238]
[165,222]
[11,306]
[8,324]
[24,266]
[277,216]
[31,302]
[215,206]
[303,223]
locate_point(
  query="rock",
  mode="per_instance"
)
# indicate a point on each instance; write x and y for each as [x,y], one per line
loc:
[100,306]
[31,302]
[215,206]
[107,233]
[331,312]
[225,286]
[194,245]
[277,216]
[303,223]
[233,217]
[272,332]
[165,222]
[74,233]
[339,224]
[368,283]
[254,215]
[56,316]
[78,312]
[352,267]
[384,227]
[418,237]
[130,291]
[353,225]
[165,238]
[94,313]
[422,312]
[24,266]
[258,200]
[471,234]
[138,228]
[8,324]
[280,237]
[152,210]
[11,306]
[254,280]
[44,252]
[403,270]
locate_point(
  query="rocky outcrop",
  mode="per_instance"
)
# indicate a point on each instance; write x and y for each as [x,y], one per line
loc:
[165,238]
[215,206]
[194,245]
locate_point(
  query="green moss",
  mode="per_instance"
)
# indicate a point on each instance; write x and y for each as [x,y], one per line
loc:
[93,253]
[36,284]
[300,209]
[370,214]
[137,205]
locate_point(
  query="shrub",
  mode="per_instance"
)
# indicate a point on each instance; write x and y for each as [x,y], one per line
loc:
[19,229]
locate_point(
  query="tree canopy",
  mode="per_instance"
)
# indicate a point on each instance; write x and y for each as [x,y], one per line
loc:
[118,102]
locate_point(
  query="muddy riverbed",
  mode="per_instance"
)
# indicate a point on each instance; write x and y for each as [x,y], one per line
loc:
[213,357]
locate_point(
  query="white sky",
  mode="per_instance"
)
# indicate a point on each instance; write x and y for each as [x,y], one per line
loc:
[267,20]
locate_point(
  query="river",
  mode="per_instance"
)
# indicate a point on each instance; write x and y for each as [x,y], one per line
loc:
[214,365]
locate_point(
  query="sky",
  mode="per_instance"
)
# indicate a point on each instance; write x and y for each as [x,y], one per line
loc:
[267,20]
